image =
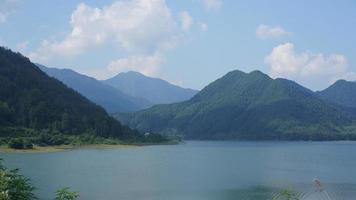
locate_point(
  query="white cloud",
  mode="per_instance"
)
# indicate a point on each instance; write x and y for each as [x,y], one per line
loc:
[148,65]
[316,71]
[186,21]
[136,26]
[265,32]
[7,7]
[212,5]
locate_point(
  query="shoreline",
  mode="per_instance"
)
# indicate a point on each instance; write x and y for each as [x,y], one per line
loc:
[59,148]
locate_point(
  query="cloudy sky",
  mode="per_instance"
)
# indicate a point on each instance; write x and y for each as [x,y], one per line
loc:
[187,42]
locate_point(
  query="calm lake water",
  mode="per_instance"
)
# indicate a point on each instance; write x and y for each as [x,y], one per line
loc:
[195,170]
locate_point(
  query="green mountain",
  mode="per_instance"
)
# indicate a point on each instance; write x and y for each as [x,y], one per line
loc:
[31,102]
[341,92]
[154,90]
[110,98]
[249,106]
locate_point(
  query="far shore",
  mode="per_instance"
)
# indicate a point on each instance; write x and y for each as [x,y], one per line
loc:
[46,149]
[39,149]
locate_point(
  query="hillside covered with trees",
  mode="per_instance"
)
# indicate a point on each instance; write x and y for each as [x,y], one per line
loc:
[342,92]
[249,106]
[45,111]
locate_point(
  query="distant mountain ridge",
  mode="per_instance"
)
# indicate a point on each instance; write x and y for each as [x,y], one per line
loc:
[342,92]
[249,106]
[112,99]
[32,101]
[239,105]
[155,90]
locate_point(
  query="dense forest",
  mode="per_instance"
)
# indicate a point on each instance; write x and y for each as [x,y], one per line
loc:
[342,92]
[249,106]
[45,111]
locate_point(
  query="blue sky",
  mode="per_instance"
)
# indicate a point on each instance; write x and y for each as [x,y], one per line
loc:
[187,42]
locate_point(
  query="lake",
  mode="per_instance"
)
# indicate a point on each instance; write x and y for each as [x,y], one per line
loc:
[194,170]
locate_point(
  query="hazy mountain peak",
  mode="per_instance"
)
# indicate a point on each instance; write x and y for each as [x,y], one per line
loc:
[342,82]
[156,90]
[62,71]
[112,99]
[131,73]
[258,72]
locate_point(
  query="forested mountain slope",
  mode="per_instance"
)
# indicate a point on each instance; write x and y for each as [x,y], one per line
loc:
[249,106]
[341,92]
[31,101]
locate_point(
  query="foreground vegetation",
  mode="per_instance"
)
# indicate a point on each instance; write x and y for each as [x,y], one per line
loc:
[15,186]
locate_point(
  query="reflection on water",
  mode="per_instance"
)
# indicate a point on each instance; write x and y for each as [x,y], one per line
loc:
[196,171]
